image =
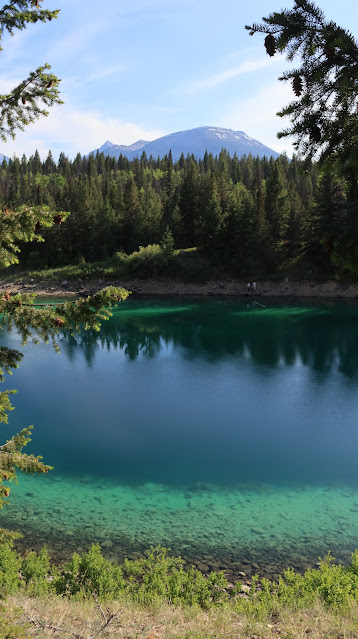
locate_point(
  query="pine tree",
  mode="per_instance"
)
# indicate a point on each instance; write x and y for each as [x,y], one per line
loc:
[132,216]
[295,233]
[212,217]
[276,205]
[190,203]
[330,205]
[169,188]
[167,245]
[323,116]
[149,224]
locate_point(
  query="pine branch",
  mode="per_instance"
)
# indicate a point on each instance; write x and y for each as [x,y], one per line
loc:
[43,323]
[17,14]
[329,74]
[23,224]
[27,102]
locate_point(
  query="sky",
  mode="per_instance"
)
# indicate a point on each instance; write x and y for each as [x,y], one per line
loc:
[140,69]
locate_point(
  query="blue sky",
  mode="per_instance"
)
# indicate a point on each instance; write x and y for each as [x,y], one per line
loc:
[139,69]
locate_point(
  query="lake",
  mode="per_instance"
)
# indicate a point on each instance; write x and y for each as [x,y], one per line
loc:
[225,430]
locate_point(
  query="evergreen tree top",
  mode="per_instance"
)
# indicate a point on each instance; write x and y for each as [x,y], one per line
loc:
[324,115]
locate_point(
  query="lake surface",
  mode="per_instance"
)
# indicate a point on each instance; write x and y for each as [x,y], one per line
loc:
[224,430]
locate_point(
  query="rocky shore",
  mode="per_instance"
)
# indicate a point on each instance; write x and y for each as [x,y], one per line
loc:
[165,287]
[235,568]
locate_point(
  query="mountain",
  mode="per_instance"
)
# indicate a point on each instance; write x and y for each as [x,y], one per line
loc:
[3,157]
[114,150]
[194,141]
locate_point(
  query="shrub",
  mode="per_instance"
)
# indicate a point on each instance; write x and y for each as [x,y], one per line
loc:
[9,628]
[89,574]
[36,571]
[335,585]
[9,570]
[148,261]
[161,576]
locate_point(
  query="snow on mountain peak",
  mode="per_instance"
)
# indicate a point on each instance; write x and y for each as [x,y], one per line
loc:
[194,142]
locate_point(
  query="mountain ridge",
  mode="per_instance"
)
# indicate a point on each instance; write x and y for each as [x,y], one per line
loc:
[191,141]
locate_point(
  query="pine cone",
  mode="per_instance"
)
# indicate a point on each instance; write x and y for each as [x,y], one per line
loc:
[270,44]
[297,85]
[59,321]
[57,219]
[37,227]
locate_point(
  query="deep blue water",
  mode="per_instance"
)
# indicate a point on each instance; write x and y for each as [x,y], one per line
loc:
[219,428]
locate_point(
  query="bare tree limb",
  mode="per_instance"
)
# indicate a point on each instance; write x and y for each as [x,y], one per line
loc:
[107,617]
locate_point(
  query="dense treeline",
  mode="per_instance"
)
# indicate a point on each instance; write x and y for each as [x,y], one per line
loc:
[248,214]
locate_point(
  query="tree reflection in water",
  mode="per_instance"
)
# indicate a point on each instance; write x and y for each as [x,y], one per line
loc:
[321,336]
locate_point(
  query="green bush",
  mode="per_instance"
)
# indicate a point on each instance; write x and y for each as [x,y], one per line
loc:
[9,628]
[161,576]
[148,261]
[119,259]
[36,572]
[9,570]
[334,585]
[89,574]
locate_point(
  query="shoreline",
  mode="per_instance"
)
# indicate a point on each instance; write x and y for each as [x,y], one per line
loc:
[238,567]
[165,287]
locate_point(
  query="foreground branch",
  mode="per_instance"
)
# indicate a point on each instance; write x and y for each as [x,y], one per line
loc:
[107,618]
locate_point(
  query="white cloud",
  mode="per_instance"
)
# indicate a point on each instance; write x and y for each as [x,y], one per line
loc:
[75,131]
[257,116]
[229,74]
[99,72]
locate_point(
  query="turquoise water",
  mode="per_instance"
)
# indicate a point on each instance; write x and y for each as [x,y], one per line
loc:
[221,429]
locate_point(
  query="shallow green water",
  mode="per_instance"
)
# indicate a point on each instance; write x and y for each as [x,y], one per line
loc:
[224,430]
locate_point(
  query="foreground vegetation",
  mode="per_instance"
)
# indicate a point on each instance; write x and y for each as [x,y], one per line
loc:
[160,596]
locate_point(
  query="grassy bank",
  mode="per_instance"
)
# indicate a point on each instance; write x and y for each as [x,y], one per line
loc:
[160,597]
[188,265]
[37,617]
[151,261]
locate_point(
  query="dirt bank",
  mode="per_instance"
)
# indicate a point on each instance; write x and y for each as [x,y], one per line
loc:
[329,289]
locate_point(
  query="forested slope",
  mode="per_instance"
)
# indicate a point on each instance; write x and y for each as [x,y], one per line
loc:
[248,215]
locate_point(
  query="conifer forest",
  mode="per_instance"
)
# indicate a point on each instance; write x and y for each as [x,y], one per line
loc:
[247,215]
